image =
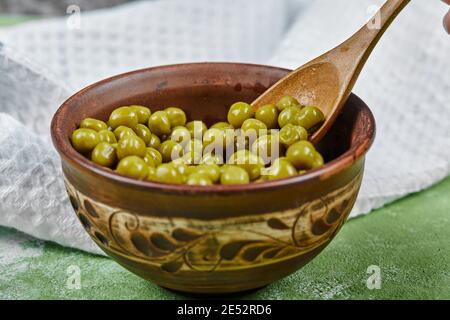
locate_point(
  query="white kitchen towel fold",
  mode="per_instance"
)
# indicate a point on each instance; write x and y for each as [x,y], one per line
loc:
[32,192]
[142,34]
[406,83]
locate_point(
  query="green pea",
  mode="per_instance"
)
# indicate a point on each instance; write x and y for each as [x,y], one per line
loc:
[164,137]
[190,170]
[155,155]
[133,166]
[159,123]
[177,117]
[191,157]
[197,129]
[180,135]
[210,158]
[143,113]
[123,116]
[212,171]
[197,179]
[289,115]
[267,147]
[214,137]
[104,155]
[230,136]
[84,140]
[181,167]
[131,145]
[154,142]
[233,175]
[273,132]
[310,118]
[193,152]
[222,125]
[265,172]
[291,134]
[268,114]
[149,161]
[303,155]
[286,102]
[122,131]
[107,136]
[242,141]
[151,174]
[194,145]
[318,161]
[143,132]
[238,113]
[249,162]
[93,124]
[170,150]
[167,173]
[254,126]
[281,169]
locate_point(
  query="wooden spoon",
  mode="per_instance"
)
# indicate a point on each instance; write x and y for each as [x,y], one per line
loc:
[327,81]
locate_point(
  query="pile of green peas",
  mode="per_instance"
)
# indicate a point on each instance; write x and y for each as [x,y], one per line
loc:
[271,143]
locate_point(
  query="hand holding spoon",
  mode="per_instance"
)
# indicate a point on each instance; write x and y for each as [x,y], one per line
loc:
[327,81]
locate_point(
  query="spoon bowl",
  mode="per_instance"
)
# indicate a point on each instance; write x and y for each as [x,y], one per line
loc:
[327,81]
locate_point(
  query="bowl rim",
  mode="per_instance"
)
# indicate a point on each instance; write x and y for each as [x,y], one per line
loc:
[68,153]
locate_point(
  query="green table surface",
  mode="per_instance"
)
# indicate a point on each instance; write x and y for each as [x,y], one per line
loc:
[409,241]
[6,20]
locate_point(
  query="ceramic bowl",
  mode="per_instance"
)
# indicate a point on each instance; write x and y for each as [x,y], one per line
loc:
[218,239]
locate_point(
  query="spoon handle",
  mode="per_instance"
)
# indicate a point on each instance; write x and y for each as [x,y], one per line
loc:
[350,57]
[358,48]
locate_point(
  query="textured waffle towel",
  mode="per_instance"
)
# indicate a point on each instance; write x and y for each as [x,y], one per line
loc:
[406,83]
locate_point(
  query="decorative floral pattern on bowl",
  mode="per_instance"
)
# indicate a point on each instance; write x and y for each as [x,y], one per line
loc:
[175,244]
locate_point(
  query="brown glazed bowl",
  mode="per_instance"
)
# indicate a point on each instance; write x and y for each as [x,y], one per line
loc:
[218,239]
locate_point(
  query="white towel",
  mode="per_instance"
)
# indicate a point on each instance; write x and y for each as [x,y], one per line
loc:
[406,83]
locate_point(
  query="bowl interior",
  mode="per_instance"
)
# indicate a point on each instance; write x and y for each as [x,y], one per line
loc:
[205,91]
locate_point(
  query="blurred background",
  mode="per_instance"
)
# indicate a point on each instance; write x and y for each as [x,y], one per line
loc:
[48,8]
[52,7]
